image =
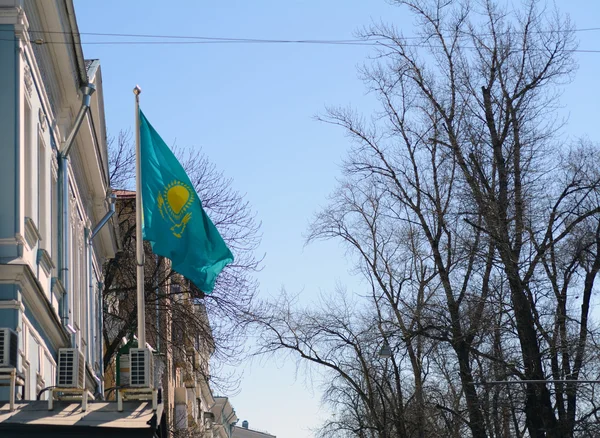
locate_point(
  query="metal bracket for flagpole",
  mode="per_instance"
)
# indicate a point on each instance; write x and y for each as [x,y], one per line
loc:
[139,253]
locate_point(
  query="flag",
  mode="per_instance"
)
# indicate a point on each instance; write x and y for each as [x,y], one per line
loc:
[173,218]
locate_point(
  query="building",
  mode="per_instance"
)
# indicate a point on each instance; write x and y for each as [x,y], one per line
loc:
[101,419]
[245,432]
[222,419]
[177,328]
[58,240]
[55,187]
[56,233]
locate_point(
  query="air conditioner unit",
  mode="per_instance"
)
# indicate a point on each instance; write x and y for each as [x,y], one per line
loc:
[9,345]
[142,368]
[71,368]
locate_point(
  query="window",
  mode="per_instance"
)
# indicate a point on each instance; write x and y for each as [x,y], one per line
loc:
[25,338]
[39,378]
[40,384]
[45,219]
[33,358]
[93,316]
[27,378]
[30,165]
[75,278]
[52,374]
[83,312]
[54,221]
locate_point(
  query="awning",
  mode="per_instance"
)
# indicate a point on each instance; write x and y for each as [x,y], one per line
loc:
[33,418]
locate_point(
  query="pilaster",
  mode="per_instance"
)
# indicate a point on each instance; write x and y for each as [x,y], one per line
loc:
[13,28]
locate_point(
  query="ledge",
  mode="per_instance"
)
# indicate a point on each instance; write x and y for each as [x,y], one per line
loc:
[45,261]
[57,287]
[32,234]
[35,300]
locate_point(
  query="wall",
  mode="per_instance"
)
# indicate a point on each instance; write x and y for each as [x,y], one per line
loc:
[9,141]
[36,101]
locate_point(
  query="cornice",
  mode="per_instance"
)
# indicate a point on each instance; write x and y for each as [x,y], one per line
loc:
[32,234]
[57,287]
[33,297]
[45,261]
[12,304]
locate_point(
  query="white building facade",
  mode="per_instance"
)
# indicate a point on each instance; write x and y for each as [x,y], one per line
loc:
[244,431]
[54,195]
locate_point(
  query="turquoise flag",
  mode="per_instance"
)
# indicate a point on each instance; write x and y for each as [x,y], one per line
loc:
[174,220]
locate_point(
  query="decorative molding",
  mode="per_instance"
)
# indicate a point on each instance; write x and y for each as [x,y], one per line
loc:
[74,212]
[20,239]
[45,261]
[28,79]
[12,304]
[57,287]
[22,26]
[42,118]
[11,16]
[32,234]
[42,94]
[42,345]
[50,359]
[10,241]
[34,298]
[39,379]
[54,164]
[9,13]
[81,232]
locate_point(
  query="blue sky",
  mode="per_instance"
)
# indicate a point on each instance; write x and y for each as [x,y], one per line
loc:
[251,108]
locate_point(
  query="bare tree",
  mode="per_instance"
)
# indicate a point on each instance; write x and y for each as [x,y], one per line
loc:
[177,313]
[366,392]
[476,228]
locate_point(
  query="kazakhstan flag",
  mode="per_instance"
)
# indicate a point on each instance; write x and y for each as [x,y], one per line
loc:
[174,220]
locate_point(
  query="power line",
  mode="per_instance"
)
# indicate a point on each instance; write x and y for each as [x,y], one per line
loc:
[338,43]
[366,43]
[217,40]
[207,38]
[131,35]
[201,39]
[230,40]
[40,41]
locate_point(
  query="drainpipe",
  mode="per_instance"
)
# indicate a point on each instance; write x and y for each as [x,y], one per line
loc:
[87,91]
[90,302]
[101,336]
[112,198]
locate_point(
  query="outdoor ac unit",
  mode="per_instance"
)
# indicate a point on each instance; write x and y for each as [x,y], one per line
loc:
[71,368]
[142,368]
[9,345]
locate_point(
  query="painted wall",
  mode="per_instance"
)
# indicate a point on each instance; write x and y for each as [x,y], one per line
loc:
[9,112]
[30,210]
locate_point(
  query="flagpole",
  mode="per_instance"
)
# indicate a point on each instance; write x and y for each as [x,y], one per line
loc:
[139,253]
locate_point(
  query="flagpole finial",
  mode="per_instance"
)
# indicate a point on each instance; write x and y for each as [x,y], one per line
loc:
[137,90]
